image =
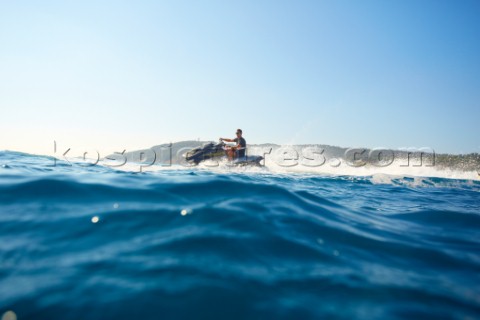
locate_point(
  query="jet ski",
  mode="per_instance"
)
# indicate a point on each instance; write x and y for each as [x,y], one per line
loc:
[216,151]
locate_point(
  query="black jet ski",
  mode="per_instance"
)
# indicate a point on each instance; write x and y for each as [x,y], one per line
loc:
[216,151]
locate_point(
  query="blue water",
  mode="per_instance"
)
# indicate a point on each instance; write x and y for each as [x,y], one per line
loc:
[233,245]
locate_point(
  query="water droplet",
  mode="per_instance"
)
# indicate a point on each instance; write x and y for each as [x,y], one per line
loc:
[95,219]
[336,253]
[116,205]
[184,212]
[320,241]
[9,315]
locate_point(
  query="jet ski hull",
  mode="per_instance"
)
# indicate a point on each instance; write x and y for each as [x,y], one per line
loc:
[211,151]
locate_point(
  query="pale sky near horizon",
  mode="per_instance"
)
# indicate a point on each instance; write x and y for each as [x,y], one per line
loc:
[114,75]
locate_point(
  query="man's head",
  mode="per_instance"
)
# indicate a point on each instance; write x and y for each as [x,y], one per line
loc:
[239,132]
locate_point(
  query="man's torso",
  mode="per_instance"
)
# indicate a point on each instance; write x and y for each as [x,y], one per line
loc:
[242,144]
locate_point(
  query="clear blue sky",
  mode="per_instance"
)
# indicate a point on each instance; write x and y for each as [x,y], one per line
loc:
[129,74]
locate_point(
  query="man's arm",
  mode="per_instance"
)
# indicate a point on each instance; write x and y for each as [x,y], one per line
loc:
[228,140]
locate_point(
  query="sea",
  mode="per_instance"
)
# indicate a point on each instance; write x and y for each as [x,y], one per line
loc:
[93,241]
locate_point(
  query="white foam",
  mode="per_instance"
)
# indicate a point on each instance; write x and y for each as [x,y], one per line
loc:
[330,167]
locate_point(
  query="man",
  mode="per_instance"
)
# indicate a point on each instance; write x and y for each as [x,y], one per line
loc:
[237,151]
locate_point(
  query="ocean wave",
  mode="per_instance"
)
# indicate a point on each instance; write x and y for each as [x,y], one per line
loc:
[97,242]
[313,158]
